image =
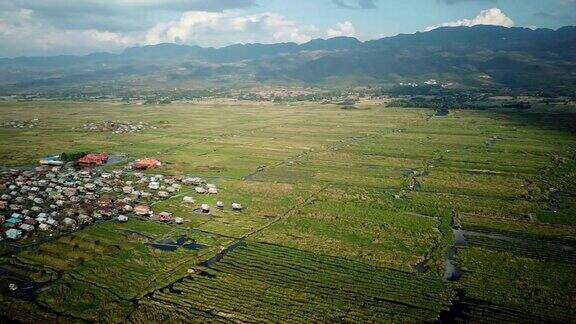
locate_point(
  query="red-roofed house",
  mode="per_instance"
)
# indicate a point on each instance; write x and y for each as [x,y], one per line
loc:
[93,159]
[144,164]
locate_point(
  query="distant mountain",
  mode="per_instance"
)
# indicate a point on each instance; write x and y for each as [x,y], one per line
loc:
[479,56]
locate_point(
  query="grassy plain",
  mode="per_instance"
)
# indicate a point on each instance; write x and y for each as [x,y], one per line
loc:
[372,191]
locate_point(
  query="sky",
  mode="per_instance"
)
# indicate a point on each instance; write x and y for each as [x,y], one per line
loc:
[78,27]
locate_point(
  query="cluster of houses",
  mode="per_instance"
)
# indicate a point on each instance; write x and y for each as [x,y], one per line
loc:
[116,126]
[208,189]
[54,197]
[22,124]
[48,198]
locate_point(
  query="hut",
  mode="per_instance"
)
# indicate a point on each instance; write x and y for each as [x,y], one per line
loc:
[51,160]
[192,181]
[93,159]
[188,200]
[52,222]
[154,185]
[236,206]
[27,227]
[119,205]
[205,208]
[163,194]
[41,218]
[13,234]
[122,219]
[12,222]
[179,220]
[145,164]
[69,222]
[44,227]
[142,210]
[85,219]
[165,217]
[220,204]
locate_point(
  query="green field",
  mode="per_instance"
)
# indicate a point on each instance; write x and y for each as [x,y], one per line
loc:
[348,216]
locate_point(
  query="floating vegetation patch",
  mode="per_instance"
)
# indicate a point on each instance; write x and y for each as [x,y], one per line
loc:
[285,285]
[530,248]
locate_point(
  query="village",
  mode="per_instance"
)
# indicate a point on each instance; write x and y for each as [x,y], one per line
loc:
[116,126]
[21,124]
[60,196]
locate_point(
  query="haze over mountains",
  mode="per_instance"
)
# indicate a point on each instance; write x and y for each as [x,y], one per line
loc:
[479,56]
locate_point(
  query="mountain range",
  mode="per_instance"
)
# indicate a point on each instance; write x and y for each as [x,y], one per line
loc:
[467,57]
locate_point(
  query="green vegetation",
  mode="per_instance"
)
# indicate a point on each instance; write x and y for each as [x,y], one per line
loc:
[288,285]
[347,215]
[539,289]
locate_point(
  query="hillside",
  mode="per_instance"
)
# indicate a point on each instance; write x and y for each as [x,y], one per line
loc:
[480,56]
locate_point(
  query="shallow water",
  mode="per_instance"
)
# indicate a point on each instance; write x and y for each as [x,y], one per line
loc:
[554,203]
[223,253]
[27,290]
[459,239]
[194,246]
[115,159]
[164,247]
[181,242]
[420,267]
[451,271]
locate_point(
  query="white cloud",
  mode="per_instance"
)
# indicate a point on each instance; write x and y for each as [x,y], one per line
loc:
[25,33]
[218,28]
[32,36]
[492,16]
[221,28]
[342,29]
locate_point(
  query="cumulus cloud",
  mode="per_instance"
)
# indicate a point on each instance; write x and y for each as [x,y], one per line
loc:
[342,29]
[492,16]
[26,34]
[25,31]
[52,27]
[229,26]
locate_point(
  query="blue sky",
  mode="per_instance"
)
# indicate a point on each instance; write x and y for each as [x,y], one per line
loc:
[49,27]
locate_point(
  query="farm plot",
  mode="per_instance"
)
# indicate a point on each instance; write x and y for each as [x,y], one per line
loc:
[144,268]
[345,206]
[357,230]
[541,289]
[84,301]
[106,251]
[289,285]
[264,203]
